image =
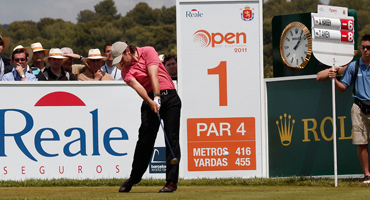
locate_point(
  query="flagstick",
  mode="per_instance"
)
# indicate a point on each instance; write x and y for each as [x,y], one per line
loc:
[334,129]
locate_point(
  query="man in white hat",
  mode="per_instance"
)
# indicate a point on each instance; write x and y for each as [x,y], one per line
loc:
[67,64]
[108,67]
[5,62]
[55,72]
[93,72]
[20,57]
[39,53]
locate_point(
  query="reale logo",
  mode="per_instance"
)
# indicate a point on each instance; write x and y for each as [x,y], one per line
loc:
[57,99]
[194,13]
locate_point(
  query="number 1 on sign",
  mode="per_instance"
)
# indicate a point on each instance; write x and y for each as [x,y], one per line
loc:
[220,70]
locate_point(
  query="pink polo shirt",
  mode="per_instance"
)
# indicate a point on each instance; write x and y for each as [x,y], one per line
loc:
[147,56]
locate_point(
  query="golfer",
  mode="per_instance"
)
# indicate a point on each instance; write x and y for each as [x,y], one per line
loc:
[144,72]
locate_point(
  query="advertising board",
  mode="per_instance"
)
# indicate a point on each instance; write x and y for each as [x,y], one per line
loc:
[71,130]
[220,83]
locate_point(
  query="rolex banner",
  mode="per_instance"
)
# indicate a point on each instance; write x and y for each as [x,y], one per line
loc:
[300,129]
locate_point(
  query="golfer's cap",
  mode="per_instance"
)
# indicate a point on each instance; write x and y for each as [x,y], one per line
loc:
[116,50]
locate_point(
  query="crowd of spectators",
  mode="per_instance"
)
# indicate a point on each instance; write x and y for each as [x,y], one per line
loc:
[38,64]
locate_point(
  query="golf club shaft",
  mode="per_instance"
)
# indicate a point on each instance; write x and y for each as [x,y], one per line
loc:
[165,135]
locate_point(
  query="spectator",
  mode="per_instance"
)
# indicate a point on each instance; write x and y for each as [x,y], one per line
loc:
[170,62]
[5,62]
[94,61]
[38,65]
[67,64]
[55,72]
[108,67]
[4,44]
[20,57]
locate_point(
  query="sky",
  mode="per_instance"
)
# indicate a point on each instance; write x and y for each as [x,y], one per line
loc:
[20,10]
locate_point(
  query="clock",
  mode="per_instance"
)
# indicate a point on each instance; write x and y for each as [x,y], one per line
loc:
[296,46]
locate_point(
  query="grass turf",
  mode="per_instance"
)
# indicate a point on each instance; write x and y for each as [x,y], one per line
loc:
[235,188]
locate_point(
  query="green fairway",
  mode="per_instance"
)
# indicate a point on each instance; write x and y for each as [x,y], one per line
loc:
[238,188]
[187,192]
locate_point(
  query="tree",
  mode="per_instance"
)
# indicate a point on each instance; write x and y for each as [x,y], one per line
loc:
[106,11]
[143,14]
[23,30]
[352,4]
[168,15]
[86,16]
[124,23]
[44,22]
[106,34]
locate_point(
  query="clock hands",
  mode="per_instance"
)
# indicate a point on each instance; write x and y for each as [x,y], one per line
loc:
[299,41]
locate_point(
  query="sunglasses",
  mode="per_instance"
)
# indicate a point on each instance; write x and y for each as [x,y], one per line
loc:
[363,47]
[19,59]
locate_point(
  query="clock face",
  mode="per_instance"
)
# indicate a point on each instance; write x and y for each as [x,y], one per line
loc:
[296,45]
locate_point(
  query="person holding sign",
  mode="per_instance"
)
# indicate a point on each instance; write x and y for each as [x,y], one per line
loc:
[144,72]
[323,75]
[358,73]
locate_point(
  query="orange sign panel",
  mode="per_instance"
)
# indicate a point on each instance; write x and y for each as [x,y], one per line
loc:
[221,144]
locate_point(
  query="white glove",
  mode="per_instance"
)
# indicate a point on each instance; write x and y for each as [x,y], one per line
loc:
[158,101]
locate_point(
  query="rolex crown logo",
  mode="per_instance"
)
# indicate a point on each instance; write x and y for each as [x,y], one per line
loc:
[285,130]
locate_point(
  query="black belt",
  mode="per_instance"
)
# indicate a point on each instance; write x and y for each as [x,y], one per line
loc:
[362,103]
[163,92]
[358,102]
[167,92]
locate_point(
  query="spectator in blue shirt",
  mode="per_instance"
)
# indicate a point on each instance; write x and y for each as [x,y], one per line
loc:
[20,57]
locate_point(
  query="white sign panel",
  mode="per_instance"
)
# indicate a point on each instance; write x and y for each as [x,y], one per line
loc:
[71,130]
[333,11]
[220,83]
[332,35]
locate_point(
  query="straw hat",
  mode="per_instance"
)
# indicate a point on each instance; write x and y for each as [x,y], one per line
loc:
[28,49]
[38,47]
[55,53]
[94,54]
[6,42]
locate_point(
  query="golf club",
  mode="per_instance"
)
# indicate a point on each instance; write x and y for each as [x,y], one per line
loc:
[174,160]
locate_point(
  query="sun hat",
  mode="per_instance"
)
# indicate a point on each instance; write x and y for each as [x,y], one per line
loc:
[27,49]
[94,54]
[36,47]
[116,50]
[66,50]
[6,42]
[55,53]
